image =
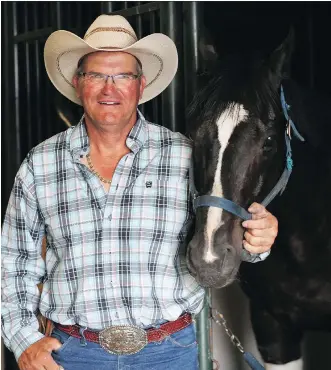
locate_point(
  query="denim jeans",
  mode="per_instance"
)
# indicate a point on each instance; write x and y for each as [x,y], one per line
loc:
[178,351]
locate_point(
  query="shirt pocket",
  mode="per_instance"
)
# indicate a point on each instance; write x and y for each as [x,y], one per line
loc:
[158,205]
[71,215]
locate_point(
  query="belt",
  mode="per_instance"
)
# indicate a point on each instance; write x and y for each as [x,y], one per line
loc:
[126,339]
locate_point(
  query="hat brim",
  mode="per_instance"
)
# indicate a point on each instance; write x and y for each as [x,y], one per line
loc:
[157,54]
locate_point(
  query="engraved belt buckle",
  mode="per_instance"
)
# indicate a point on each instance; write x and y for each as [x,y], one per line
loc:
[123,339]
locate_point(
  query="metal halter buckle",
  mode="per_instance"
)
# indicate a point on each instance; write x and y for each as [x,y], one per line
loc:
[123,339]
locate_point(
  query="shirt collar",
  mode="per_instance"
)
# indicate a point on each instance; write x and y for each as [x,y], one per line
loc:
[79,141]
[138,134]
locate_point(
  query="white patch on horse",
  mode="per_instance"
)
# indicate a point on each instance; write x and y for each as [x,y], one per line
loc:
[293,365]
[226,124]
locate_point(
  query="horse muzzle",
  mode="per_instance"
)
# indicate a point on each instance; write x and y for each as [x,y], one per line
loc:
[212,269]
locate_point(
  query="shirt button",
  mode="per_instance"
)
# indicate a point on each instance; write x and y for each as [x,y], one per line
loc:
[110,217]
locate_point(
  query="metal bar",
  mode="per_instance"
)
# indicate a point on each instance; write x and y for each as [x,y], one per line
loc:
[146,8]
[79,15]
[152,22]
[16,87]
[155,102]
[107,7]
[311,49]
[49,90]
[173,116]
[139,24]
[68,11]
[10,158]
[203,330]
[49,101]
[34,35]
[192,13]
[45,13]
[27,90]
[192,24]
[37,81]
[57,15]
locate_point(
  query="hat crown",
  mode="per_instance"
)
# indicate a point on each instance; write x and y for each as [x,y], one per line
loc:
[110,31]
[156,52]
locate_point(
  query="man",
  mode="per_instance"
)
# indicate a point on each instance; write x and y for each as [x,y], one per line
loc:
[111,196]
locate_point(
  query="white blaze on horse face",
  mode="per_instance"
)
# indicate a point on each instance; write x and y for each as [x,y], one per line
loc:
[226,124]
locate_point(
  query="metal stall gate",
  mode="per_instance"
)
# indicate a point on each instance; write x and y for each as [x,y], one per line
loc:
[32,108]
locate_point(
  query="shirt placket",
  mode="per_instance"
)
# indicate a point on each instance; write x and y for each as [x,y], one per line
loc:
[111,220]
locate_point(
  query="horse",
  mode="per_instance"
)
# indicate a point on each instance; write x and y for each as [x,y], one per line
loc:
[258,135]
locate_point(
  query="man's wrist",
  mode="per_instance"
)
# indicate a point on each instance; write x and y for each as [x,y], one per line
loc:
[23,339]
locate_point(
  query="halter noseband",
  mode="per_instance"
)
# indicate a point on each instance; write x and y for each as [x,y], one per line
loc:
[234,208]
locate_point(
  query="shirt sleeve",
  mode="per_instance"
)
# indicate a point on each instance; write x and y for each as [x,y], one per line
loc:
[254,257]
[22,265]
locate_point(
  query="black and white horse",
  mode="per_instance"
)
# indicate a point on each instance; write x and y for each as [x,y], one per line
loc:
[242,147]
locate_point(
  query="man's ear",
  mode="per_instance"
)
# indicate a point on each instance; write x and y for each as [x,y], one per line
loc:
[75,81]
[142,86]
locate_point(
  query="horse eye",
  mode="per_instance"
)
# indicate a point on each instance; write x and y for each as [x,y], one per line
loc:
[269,144]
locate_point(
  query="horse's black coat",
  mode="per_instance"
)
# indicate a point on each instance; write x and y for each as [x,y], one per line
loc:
[290,291]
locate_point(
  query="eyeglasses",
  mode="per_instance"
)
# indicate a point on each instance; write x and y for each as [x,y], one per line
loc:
[119,80]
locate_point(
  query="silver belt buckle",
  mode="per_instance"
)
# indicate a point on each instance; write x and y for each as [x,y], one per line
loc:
[123,339]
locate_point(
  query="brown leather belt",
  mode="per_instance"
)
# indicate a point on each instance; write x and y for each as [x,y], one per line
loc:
[110,337]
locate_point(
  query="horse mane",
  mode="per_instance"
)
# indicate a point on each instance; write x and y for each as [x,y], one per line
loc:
[242,79]
[246,79]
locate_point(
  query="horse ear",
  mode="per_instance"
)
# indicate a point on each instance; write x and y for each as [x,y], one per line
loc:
[207,51]
[280,59]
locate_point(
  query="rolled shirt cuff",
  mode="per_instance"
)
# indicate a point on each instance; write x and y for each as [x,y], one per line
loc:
[23,339]
[254,257]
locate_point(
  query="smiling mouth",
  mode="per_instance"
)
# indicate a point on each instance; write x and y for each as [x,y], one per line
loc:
[108,103]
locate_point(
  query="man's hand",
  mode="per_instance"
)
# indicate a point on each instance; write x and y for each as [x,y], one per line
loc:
[261,230]
[38,355]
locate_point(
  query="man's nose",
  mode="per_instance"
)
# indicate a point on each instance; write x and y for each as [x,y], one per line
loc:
[109,84]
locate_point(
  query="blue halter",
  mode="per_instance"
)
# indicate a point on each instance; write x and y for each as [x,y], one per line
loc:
[235,209]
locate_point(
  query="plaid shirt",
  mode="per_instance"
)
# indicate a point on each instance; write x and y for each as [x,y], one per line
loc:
[112,259]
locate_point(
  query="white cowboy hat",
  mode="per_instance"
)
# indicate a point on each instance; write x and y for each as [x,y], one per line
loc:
[157,54]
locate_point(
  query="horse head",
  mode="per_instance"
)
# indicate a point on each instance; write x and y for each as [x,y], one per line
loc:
[237,129]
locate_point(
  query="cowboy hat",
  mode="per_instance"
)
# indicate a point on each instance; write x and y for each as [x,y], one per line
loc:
[156,52]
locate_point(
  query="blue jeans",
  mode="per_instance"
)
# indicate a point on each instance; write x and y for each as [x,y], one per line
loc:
[178,351]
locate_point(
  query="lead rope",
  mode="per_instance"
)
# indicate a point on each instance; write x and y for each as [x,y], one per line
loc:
[219,319]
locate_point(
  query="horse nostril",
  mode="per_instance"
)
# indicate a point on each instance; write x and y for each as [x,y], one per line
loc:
[230,250]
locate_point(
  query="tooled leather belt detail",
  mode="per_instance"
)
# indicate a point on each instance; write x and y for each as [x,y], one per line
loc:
[126,339]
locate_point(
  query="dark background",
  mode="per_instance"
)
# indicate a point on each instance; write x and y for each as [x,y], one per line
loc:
[239,26]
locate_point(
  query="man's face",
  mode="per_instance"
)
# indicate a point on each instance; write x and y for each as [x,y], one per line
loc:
[105,103]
